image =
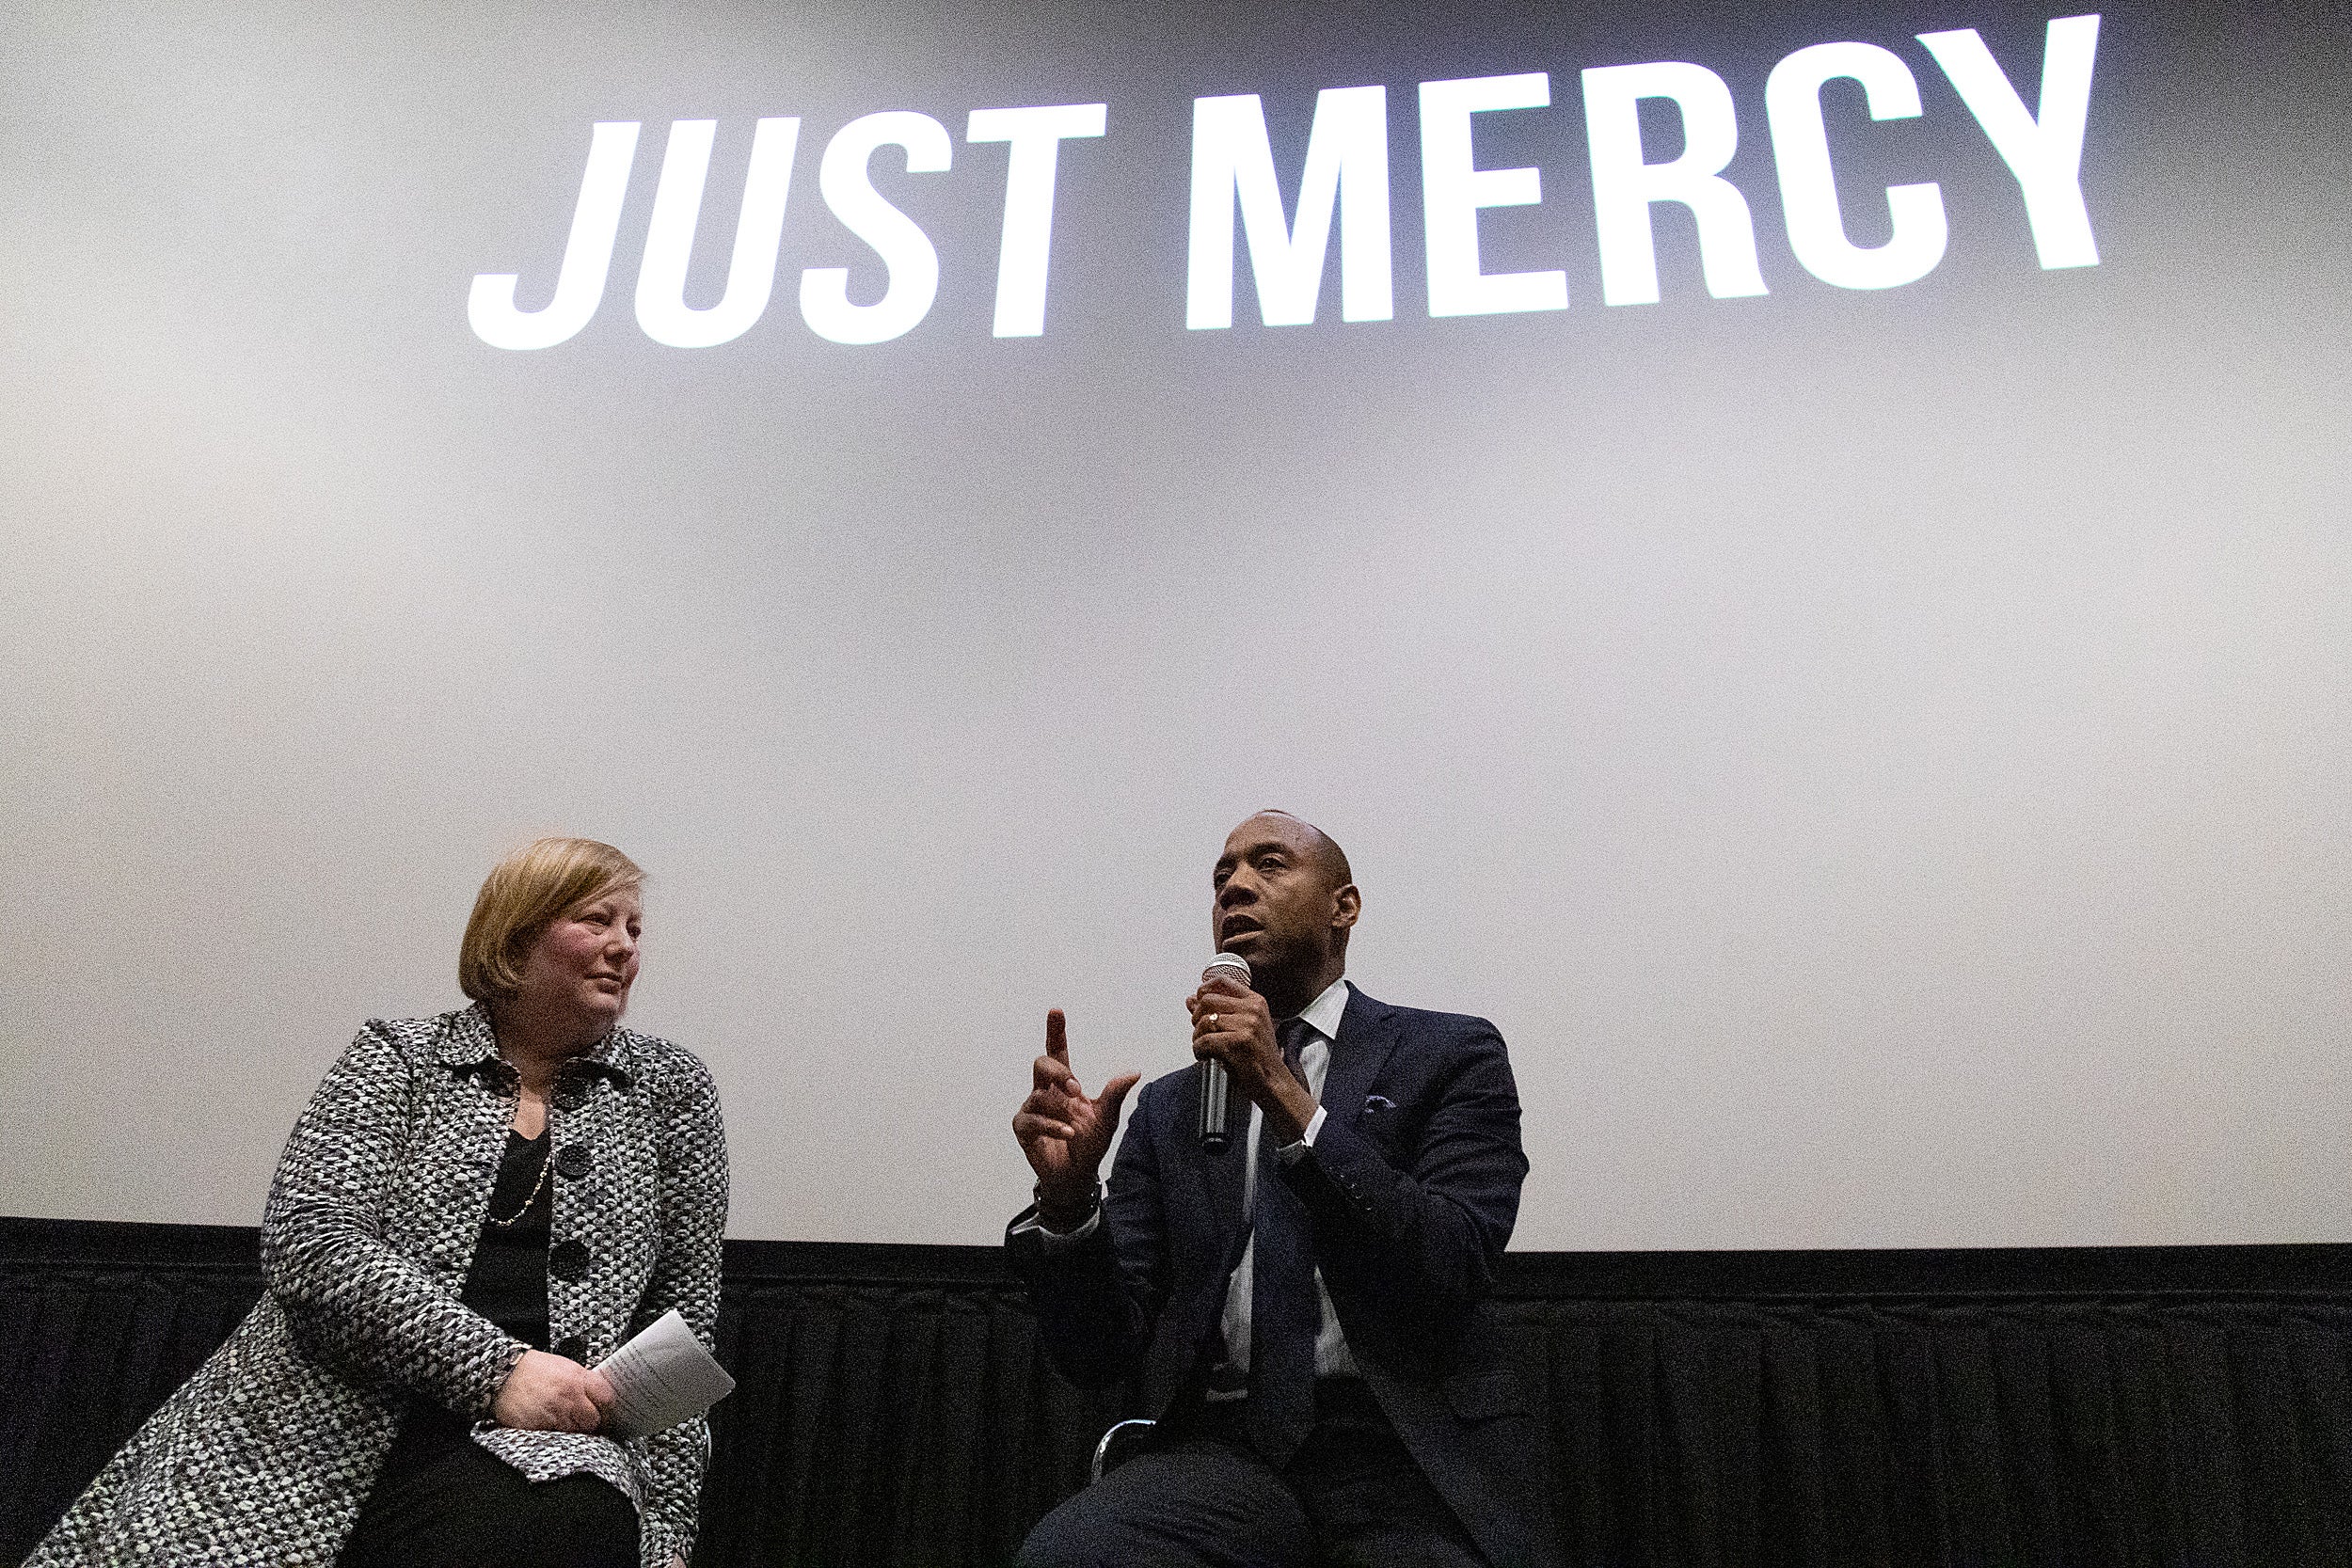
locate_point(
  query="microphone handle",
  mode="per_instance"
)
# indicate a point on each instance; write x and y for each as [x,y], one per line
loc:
[1215,1087]
[1215,1083]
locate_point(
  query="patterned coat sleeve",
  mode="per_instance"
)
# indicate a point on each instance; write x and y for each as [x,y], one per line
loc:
[693,1220]
[323,1257]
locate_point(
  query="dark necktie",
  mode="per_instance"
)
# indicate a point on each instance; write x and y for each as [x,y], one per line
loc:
[1284,1313]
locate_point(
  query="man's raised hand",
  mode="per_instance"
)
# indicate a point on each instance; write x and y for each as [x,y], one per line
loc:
[1064,1132]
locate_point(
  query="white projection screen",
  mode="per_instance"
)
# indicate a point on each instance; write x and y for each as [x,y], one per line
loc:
[1802,548]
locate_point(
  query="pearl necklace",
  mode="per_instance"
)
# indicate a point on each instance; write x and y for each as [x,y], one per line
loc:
[546,1160]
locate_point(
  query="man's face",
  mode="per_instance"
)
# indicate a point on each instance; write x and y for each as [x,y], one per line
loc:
[1277,904]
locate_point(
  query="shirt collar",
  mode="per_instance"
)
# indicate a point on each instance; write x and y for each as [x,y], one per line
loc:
[469,1042]
[1321,1015]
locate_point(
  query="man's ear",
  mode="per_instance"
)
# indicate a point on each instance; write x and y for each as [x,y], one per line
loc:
[1346,904]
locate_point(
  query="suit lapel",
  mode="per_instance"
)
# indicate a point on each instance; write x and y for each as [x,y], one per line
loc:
[1367,1035]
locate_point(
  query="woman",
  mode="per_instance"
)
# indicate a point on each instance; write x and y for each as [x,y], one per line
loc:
[473,1211]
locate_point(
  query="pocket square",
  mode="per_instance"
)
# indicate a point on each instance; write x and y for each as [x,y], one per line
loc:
[1376,1104]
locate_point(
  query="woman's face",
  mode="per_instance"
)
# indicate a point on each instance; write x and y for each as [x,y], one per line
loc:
[585,961]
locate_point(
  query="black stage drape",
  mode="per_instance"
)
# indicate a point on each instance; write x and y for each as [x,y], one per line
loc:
[2189,1407]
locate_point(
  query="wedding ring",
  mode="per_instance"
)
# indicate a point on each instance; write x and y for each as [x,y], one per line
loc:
[1212,1024]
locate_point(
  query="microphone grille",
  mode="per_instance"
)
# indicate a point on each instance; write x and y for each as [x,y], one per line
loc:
[1232,964]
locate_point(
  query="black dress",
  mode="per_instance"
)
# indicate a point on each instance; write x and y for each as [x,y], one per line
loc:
[444,1501]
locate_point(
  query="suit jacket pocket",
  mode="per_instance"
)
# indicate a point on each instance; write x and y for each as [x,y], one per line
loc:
[1483,1395]
[1381,1124]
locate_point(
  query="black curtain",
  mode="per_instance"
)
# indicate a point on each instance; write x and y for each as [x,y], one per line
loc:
[2189,1407]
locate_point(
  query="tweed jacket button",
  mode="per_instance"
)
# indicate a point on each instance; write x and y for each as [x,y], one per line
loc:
[567,1260]
[572,1162]
[571,1094]
[572,1347]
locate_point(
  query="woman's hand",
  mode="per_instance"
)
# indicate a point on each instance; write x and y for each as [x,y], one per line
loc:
[549,1393]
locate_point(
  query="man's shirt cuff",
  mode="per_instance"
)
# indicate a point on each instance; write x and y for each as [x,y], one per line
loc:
[1290,1154]
[1055,1239]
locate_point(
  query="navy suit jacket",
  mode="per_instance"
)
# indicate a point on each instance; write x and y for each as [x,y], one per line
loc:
[1412,1188]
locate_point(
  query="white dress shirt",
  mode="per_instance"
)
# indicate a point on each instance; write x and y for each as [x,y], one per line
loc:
[1322,1017]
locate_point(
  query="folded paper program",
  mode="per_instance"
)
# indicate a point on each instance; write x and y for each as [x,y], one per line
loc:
[663,1376]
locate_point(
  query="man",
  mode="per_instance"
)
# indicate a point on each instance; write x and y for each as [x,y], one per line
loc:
[1304,1307]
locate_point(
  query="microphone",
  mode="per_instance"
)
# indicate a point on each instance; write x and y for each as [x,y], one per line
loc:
[1214,1082]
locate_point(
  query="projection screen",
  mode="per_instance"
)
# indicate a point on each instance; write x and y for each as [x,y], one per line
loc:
[1800,548]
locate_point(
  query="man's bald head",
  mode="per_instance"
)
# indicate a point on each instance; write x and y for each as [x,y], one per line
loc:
[1285,901]
[1320,845]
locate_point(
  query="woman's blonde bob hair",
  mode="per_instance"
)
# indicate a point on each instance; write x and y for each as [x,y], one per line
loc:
[522,897]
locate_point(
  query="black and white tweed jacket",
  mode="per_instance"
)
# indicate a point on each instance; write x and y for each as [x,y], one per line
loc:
[265,1456]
